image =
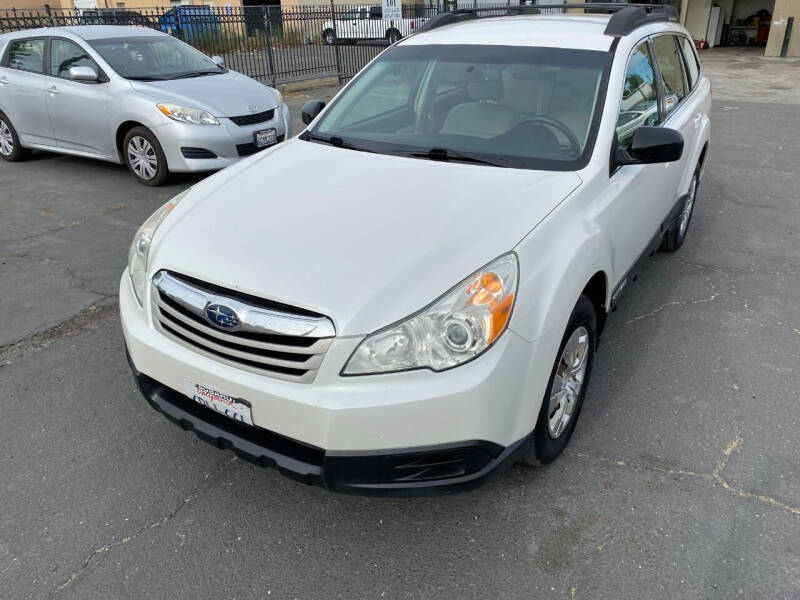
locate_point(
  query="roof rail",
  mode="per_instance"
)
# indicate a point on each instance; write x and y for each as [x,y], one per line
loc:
[625,16]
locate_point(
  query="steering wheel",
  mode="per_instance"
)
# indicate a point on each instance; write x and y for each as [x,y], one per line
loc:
[558,126]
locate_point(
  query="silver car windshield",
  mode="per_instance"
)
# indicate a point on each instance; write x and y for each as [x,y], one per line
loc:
[154,58]
[523,107]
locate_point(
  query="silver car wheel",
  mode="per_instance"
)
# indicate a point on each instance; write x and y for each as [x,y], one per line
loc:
[686,214]
[6,139]
[142,157]
[567,382]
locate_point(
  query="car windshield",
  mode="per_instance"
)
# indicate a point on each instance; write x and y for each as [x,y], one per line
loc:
[154,58]
[522,107]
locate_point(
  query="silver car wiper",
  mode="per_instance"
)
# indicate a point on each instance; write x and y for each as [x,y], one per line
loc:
[445,155]
[197,74]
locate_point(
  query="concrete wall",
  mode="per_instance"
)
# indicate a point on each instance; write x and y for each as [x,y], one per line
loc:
[783,10]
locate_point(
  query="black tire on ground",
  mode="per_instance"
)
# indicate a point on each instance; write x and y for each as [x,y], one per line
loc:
[543,447]
[676,235]
[329,36]
[10,148]
[141,141]
[393,36]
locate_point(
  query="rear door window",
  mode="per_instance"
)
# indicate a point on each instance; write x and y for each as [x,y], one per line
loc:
[690,59]
[670,64]
[26,55]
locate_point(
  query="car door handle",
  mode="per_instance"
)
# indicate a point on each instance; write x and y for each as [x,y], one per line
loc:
[3,81]
[53,90]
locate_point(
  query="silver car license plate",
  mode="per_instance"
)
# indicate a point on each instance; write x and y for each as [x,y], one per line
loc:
[266,137]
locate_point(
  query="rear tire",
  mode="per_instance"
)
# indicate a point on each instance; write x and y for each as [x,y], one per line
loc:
[566,388]
[393,36]
[329,36]
[675,237]
[144,157]
[10,148]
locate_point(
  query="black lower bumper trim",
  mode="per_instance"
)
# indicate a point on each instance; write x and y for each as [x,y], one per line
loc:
[440,469]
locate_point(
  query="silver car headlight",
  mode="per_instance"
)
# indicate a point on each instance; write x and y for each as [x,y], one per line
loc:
[196,116]
[140,247]
[456,328]
[278,98]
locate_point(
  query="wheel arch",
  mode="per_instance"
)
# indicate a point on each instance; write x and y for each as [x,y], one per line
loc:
[122,131]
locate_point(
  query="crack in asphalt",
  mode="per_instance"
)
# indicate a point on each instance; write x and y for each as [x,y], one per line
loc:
[76,223]
[716,475]
[87,561]
[89,318]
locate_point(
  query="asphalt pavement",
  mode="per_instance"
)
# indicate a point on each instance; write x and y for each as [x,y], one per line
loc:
[682,479]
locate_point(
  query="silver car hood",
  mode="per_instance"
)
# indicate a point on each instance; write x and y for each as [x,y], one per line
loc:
[230,94]
[366,239]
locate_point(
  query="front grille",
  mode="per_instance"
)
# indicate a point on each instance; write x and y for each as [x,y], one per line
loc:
[189,152]
[261,117]
[251,148]
[179,304]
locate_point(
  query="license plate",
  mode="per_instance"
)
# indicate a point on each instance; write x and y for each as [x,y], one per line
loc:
[266,137]
[237,409]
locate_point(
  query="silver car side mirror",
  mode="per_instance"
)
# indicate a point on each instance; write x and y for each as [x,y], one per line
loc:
[83,73]
[218,60]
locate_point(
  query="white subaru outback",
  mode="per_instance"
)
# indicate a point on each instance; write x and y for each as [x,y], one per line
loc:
[408,296]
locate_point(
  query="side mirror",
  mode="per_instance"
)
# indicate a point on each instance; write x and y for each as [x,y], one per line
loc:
[311,109]
[84,73]
[651,145]
[218,60]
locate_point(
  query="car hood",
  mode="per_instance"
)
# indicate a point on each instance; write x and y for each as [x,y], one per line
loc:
[228,95]
[366,239]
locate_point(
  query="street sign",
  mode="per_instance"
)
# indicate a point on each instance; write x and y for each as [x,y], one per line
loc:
[392,10]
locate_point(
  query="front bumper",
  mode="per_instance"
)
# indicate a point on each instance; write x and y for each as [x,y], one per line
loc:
[447,468]
[227,143]
[445,431]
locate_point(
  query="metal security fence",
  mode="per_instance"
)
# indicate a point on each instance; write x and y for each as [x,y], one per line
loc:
[272,44]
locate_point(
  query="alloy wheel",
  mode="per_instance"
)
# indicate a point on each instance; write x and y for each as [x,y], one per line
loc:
[567,382]
[6,139]
[142,157]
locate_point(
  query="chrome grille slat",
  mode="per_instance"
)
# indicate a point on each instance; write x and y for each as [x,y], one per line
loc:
[255,341]
[318,347]
[312,361]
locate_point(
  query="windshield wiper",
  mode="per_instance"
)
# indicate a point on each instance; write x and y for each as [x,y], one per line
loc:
[197,74]
[333,140]
[145,78]
[445,155]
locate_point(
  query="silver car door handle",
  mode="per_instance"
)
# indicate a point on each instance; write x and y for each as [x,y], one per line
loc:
[53,90]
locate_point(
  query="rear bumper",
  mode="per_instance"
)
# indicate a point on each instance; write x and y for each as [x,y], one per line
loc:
[426,470]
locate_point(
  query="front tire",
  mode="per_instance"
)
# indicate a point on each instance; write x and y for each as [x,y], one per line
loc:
[10,148]
[144,157]
[329,36]
[675,237]
[393,36]
[566,388]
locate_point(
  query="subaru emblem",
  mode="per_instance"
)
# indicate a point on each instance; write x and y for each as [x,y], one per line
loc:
[252,108]
[222,317]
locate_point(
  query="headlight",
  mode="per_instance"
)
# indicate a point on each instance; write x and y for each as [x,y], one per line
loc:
[278,97]
[140,247]
[187,115]
[456,328]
